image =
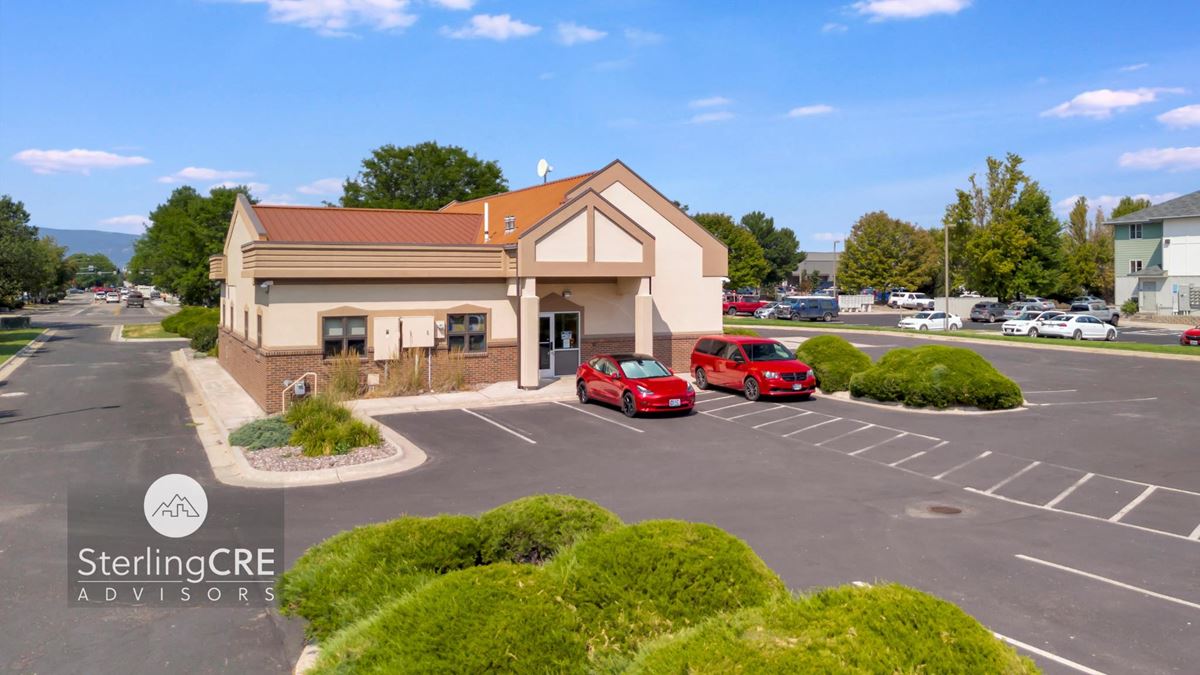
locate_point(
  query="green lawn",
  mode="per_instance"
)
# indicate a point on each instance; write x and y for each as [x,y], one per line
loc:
[145,331]
[11,341]
[978,335]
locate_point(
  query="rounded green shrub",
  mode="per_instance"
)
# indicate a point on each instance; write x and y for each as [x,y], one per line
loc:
[353,573]
[204,338]
[270,432]
[187,320]
[496,618]
[937,376]
[531,529]
[883,629]
[658,576]
[834,360]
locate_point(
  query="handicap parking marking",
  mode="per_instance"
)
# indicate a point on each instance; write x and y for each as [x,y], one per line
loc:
[500,426]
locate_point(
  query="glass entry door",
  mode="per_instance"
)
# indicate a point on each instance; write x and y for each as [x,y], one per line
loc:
[558,343]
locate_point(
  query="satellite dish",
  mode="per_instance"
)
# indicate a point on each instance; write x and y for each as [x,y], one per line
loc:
[543,169]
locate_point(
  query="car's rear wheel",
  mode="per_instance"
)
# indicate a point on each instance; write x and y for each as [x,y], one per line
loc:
[1111,337]
[628,405]
[582,392]
[991,318]
[750,388]
[732,311]
[1033,332]
[923,327]
[701,379]
[1077,335]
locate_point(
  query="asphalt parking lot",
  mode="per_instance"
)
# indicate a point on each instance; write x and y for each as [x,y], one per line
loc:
[1071,526]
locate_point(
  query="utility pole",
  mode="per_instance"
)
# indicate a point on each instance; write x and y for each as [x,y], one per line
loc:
[833,277]
[946,279]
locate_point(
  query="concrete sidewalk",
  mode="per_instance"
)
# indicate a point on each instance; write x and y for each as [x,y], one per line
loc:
[500,393]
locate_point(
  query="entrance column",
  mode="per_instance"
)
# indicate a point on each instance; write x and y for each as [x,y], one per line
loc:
[643,319]
[527,356]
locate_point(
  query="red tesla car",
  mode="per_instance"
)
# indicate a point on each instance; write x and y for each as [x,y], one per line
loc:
[1190,336]
[635,382]
[756,366]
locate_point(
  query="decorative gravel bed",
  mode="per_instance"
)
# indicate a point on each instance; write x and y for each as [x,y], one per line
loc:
[289,458]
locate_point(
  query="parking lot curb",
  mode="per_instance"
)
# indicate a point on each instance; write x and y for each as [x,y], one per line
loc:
[845,397]
[24,353]
[119,328]
[231,467]
[969,340]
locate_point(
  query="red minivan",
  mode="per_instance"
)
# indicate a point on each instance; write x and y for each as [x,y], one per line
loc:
[756,366]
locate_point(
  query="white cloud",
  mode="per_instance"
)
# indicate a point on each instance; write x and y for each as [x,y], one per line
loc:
[1171,159]
[254,187]
[336,18]
[198,173]
[1132,67]
[834,27]
[324,186]
[642,38]
[499,27]
[615,64]
[571,33]
[1182,118]
[1109,202]
[74,161]
[705,118]
[131,223]
[828,236]
[882,10]
[455,4]
[810,110]
[283,199]
[1101,103]
[710,102]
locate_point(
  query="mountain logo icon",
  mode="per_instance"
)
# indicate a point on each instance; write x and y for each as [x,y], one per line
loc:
[175,505]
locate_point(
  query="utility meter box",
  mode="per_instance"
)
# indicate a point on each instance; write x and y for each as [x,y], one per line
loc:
[386,335]
[418,331]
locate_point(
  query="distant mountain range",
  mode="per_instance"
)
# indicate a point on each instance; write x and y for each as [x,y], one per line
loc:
[118,246]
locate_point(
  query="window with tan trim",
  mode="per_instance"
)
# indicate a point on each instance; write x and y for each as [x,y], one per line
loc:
[346,334]
[466,333]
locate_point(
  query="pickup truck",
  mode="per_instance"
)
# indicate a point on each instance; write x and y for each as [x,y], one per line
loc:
[1106,313]
[745,304]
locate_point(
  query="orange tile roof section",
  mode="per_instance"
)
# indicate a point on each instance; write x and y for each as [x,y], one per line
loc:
[527,205]
[328,224]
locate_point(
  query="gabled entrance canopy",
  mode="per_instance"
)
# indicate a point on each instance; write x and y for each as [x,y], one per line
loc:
[586,237]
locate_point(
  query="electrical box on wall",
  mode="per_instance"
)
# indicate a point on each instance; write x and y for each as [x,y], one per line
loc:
[385,335]
[440,327]
[418,331]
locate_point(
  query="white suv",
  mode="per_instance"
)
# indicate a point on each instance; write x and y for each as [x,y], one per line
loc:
[911,301]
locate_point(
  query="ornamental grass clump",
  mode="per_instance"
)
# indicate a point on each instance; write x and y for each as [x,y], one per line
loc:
[834,360]
[881,629]
[497,618]
[350,575]
[344,377]
[936,376]
[641,581]
[271,432]
[326,427]
[534,528]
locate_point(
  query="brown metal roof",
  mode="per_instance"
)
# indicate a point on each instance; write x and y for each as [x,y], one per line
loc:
[328,224]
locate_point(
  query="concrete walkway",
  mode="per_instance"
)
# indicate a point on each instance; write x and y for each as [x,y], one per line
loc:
[500,393]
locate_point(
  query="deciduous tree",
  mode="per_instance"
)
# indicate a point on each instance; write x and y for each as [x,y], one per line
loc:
[747,264]
[780,246]
[423,176]
[1129,205]
[884,252]
[94,269]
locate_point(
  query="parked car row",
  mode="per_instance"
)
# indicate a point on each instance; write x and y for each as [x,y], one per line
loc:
[637,383]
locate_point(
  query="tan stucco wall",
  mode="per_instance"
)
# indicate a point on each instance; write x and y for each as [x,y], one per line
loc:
[567,243]
[238,290]
[294,307]
[607,308]
[613,244]
[685,301]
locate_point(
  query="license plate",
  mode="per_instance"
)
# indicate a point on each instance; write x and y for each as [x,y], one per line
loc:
[797,387]
[674,403]
[1195,342]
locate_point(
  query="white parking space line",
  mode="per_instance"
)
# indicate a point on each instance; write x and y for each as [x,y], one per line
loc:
[756,412]
[1124,400]
[1066,493]
[811,426]
[1116,517]
[1114,582]
[726,407]
[1049,655]
[706,392]
[956,467]
[939,445]
[1053,391]
[1011,478]
[1194,536]
[718,398]
[500,426]
[1076,514]
[898,436]
[862,428]
[901,461]
[599,417]
[789,417]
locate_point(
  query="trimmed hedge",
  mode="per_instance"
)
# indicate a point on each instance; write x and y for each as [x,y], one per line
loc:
[326,427]
[643,580]
[499,618]
[188,320]
[834,360]
[883,629]
[534,528]
[937,376]
[270,432]
[352,574]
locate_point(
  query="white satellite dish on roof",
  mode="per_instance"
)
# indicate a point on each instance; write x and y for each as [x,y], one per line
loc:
[544,169]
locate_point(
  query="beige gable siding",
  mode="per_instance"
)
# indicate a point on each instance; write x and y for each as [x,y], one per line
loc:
[239,290]
[567,243]
[614,244]
[685,301]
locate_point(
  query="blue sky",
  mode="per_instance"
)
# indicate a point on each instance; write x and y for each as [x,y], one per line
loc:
[815,112]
